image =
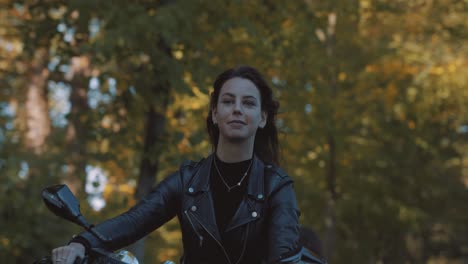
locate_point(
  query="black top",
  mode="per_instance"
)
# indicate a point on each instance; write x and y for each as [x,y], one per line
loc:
[227,202]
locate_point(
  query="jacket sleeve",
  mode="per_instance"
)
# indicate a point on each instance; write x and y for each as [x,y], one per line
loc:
[160,206]
[283,228]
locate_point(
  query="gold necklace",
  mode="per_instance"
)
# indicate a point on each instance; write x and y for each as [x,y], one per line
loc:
[237,184]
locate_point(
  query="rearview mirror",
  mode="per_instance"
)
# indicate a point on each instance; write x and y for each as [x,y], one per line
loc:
[61,201]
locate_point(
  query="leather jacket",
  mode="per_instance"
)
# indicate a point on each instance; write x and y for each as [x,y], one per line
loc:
[265,224]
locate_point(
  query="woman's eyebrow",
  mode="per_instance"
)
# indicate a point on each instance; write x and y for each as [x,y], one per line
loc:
[245,96]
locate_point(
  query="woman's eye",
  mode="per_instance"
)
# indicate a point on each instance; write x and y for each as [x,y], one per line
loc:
[249,103]
[227,101]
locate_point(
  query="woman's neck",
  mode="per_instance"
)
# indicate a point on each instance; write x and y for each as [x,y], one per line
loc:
[228,151]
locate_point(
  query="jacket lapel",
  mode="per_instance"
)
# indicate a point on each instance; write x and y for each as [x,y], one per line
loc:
[201,203]
[251,207]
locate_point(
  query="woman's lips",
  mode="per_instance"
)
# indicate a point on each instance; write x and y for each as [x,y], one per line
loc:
[236,124]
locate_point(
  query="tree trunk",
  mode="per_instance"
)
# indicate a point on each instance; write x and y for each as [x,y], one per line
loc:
[154,131]
[76,130]
[330,214]
[37,108]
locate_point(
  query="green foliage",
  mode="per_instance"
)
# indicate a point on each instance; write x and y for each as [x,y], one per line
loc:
[387,82]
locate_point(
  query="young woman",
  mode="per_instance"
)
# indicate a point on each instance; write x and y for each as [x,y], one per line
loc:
[236,205]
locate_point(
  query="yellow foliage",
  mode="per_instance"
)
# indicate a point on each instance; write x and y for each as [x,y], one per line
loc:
[452,68]
[465,180]
[188,78]
[178,54]
[106,122]
[195,104]
[168,253]
[187,102]
[322,164]
[390,93]
[396,40]
[152,12]
[399,111]
[5,242]
[119,189]
[422,143]
[215,60]
[365,3]
[126,188]
[104,146]
[437,70]
[345,162]
[200,95]
[184,145]
[411,93]
[170,235]
[371,68]
[107,191]
[342,76]
[443,92]
[239,34]
[15,47]
[311,155]
[116,127]
[4,65]
[286,23]
[299,172]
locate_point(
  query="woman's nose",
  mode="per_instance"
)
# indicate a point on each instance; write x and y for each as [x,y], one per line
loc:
[238,107]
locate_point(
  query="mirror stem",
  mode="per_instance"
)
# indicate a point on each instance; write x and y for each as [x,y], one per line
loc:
[90,228]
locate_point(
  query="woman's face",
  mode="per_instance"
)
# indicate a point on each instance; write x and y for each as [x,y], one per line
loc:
[238,112]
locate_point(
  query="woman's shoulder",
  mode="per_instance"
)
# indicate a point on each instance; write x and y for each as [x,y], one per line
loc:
[191,164]
[189,168]
[275,178]
[273,170]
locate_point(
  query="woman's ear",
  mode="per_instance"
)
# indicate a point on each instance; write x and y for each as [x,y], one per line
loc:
[264,120]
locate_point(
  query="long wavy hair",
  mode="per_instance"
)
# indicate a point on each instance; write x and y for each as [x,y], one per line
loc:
[266,138]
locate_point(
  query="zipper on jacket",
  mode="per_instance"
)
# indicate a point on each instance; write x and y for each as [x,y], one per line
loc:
[200,237]
[219,243]
[245,244]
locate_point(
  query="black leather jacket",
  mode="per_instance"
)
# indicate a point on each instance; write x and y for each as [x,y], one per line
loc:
[265,225]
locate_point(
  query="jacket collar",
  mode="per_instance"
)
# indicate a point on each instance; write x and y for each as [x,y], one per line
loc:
[200,182]
[255,189]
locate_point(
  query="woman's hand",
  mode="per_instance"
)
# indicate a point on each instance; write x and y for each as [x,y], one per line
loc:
[67,254]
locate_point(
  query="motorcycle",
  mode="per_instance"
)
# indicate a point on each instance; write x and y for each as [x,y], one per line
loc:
[61,201]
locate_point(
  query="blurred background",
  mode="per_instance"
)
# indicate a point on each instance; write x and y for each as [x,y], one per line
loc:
[110,97]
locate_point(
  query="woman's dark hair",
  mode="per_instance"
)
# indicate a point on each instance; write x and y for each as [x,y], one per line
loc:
[266,138]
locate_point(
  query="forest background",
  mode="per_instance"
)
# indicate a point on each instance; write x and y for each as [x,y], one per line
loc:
[109,97]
